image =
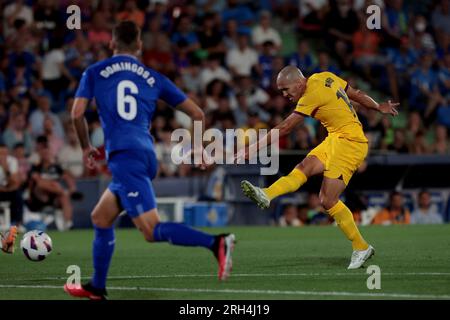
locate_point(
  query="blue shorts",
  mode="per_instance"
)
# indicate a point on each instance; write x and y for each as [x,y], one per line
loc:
[132,175]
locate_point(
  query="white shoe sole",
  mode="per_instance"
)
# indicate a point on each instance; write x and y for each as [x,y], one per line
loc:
[250,192]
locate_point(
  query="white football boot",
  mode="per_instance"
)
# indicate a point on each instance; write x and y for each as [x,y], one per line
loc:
[256,194]
[360,256]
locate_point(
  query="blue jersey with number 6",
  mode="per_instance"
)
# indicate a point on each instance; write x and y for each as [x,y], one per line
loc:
[126,91]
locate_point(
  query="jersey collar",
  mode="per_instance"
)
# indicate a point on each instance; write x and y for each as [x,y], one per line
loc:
[125,55]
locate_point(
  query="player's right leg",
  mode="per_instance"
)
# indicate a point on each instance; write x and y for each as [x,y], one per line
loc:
[310,166]
[179,234]
[103,217]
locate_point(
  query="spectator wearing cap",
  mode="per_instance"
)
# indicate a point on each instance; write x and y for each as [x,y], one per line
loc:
[263,32]
[426,212]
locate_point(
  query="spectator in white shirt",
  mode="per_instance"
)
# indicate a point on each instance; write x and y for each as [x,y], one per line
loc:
[71,155]
[55,75]
[242,59]
[426,213]
[14,11]
[213,70]
[263,32]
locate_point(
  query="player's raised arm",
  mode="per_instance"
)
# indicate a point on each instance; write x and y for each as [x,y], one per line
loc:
[81,128]
[366,101]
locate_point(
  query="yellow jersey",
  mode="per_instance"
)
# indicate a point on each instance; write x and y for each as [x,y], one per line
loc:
[326,100]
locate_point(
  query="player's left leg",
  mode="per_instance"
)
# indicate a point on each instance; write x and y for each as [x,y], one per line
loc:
[345,158]
[103,216]
[329,197]
[178,234]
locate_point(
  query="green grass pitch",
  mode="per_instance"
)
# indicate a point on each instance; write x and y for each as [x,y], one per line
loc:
[269,263]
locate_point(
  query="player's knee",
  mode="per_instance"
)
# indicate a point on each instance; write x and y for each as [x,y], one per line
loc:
[327,202]
[100,221]
[303,167]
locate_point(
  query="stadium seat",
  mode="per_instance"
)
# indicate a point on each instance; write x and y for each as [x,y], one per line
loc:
[377,199]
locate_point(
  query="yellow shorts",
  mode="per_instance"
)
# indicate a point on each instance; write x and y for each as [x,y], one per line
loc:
[340,156]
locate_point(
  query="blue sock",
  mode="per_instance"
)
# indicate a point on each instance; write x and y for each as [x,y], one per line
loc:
[102,251]
[181,235]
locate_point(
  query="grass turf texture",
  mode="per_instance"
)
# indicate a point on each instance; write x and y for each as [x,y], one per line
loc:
[269,263]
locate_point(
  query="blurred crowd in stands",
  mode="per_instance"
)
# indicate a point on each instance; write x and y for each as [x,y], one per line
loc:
[399,208]
[225,54]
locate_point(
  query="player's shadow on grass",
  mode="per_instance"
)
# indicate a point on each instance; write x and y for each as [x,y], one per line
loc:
[309,262]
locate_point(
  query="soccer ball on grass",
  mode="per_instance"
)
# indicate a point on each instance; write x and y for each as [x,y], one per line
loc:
[36,245]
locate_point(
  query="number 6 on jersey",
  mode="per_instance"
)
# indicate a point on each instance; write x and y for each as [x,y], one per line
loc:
[123,99]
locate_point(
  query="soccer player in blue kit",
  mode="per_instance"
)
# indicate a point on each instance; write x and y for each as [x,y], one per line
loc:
[126,92]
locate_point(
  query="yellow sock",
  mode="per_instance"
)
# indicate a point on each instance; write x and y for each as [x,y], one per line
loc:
[344,219]
[290,183]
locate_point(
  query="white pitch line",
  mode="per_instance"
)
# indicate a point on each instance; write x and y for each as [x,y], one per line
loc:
[156,276]
[255,291]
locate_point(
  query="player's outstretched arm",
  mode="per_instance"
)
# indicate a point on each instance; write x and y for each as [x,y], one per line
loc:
[366,101]
[81,128]
[283,128]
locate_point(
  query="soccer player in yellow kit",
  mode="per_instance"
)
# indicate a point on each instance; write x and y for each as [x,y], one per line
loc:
[327,98]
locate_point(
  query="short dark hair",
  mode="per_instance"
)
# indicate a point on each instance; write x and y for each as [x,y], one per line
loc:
[422,192]
[19,145]
[126,35]
[42,140]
